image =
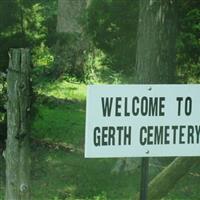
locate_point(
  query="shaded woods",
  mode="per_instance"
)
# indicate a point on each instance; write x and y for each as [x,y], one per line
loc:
[74,43]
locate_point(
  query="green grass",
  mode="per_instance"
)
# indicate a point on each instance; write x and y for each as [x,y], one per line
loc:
[70,176]
[63,89]
[61,175]
[58,175]
[63,123]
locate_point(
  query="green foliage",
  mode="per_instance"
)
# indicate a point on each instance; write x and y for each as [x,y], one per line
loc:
[42,56]
[96,71]
[112,25]
[188,44]
[25,24]
[8,17]
[64,89]
[33,23]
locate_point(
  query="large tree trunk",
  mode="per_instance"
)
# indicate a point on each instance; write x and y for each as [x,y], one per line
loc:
[155,56]
[69,14]
[18,108]
[155,63]
[72,42]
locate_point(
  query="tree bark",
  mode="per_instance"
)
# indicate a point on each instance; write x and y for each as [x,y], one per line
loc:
[155,64]
[69,13]
[18,108]
[155,55]
[72,41]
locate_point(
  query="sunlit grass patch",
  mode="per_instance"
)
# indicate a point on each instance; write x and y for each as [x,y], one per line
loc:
[64,90]
[61,124]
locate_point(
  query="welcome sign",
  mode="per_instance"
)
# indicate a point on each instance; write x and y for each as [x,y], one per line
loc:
[142,120]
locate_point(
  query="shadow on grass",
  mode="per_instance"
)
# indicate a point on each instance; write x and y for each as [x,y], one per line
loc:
[59,120]
[57,175]
[61,175]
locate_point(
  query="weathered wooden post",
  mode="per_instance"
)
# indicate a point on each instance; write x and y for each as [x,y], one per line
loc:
[18,108]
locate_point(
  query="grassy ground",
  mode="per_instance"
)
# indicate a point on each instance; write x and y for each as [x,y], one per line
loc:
[59,175]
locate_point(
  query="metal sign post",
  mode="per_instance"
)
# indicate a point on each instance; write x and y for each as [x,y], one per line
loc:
[144,178]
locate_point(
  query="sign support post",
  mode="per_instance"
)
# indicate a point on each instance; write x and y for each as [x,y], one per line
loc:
[144,178]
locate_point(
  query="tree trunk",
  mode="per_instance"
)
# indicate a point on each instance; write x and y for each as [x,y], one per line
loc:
[155,64]
[18,108]
[155,56]
[72,41]
[69,13]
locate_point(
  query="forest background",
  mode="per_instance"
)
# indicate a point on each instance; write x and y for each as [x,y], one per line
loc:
[74,43]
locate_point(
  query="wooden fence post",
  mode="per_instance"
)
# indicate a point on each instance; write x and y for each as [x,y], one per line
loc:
[18,109]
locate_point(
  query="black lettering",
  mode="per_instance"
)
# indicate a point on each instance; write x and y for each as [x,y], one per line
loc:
[111,135]
[162,106]
[153,106]
[120,128]
[143,140]
[106,106]
[158,138]
[188,106]
[104,136]
[126,113]
[144,106]
[174,128]
[166,135]
[150,135]
[118,106]
[97,138]
[190,135]
[197,128]
[181,135]
[179,99]
[134,109]
[127,135]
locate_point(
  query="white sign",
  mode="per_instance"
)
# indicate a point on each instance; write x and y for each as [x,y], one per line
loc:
[142,121]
